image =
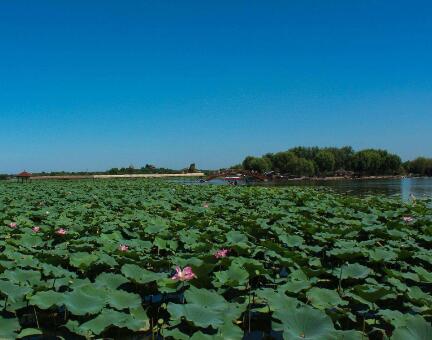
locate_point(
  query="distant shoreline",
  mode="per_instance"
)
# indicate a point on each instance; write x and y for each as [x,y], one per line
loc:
[72,177]
[201,174]
[342,178]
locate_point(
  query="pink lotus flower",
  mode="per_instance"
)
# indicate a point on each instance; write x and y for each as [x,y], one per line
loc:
[205,205]
[184,275]
[61,232]
[36,229]
[407,219]
[123,248]
[13,225]
[221,253]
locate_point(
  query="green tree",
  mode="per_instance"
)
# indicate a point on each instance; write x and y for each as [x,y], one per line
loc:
[113,171]
[130,169]
[270,157]
[392,164]
[421,166]
[376,162]
[305,152]
[343,157]
[246,164]
[285,162]
[305,167]
[367,162]
[257,164]
[325,161]
[192,168]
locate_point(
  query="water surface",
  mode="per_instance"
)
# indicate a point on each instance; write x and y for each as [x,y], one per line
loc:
[404,187]
[419,187]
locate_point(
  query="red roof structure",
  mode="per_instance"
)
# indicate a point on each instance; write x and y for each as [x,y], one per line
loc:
[24,174]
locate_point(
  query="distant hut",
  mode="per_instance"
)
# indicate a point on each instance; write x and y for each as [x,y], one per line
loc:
[23,176]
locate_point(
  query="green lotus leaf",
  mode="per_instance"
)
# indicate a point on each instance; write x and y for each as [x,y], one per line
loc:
[142,245]
[45,300]
[304,323]
[322,298]
[155,229]
[205,298]
[298,275]
[167,285]
[192,261]
[348,335]
[295,286]
[394,317]
[228,331]
[55,271]
[346,250]
[31,240]
[110,280]
[109,317]
[74,327]
[29,332]
[78,283]
[120,299]
[201,316]
[277,300]
[235,237]
[13,292]
[82,260]
[373,292]
[85,300]
[7,264]
[423,274]
[106,259]
[201,336]
[382,255]
[234,276]
[352,271]
[26,261]
[253,267]
[416,294]
[416,328]
[175,334]
[291,240]
[20,276]
[105,319]
[205,308]
[8,327]
[357,298]
[139,315]
[140,275]
[398,284]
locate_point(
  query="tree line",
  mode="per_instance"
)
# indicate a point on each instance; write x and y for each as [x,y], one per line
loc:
[420,166]
[147,169]
[330,161]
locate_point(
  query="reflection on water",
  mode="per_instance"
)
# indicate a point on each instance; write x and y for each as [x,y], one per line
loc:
[419,187]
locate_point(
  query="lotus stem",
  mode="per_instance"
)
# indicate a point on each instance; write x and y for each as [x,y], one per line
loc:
[340,279]
[36,317]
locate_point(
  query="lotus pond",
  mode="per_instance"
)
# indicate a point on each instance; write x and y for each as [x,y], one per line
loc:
[97,259]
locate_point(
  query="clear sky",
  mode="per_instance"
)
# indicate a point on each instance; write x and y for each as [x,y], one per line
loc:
[90,85]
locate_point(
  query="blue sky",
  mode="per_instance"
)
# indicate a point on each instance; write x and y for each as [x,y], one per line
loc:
[89,85]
